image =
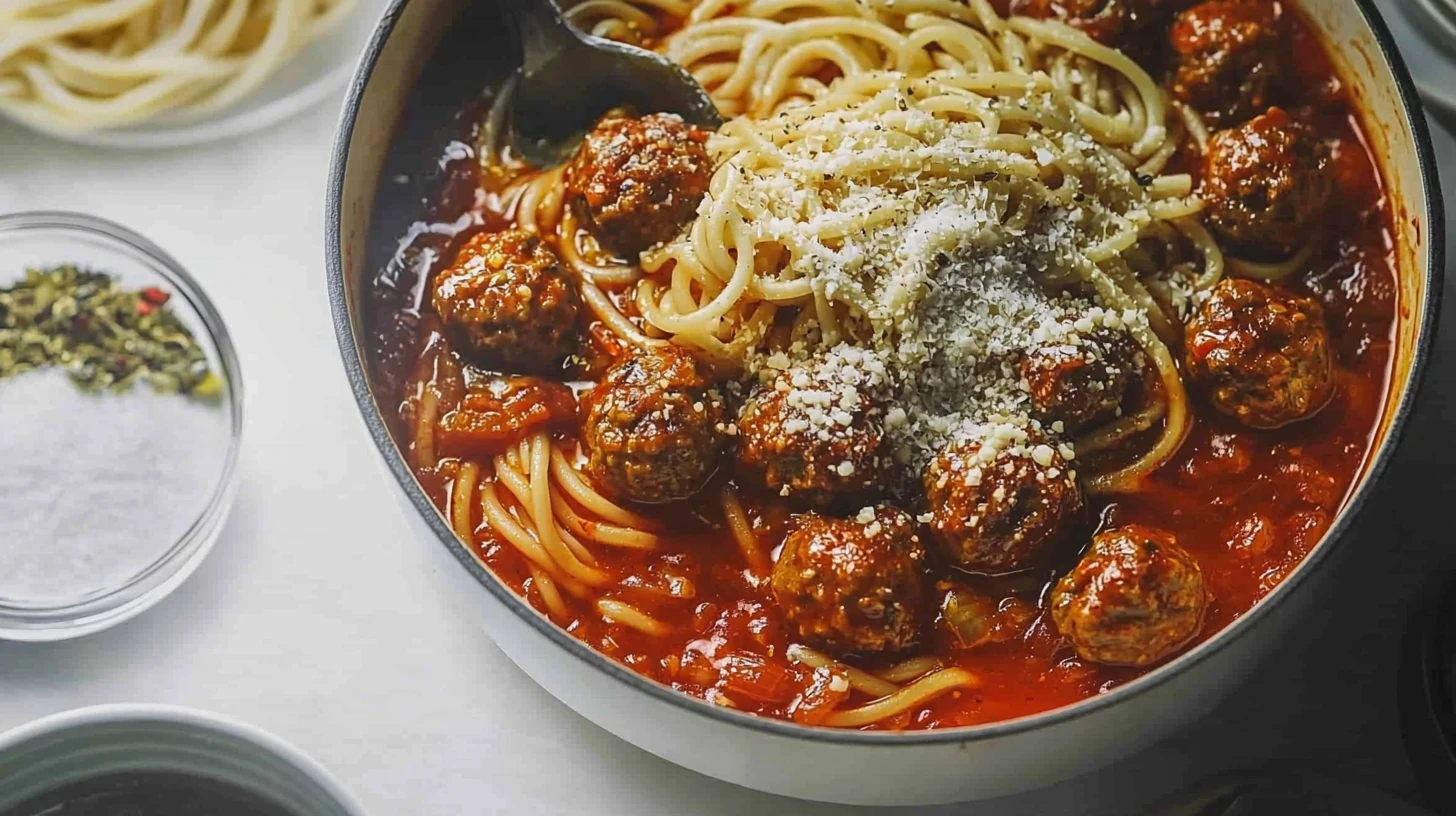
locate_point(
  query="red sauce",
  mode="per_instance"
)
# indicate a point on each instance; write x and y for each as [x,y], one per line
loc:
[1249,505]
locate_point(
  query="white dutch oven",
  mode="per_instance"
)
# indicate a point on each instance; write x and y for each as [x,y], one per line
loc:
[831,765]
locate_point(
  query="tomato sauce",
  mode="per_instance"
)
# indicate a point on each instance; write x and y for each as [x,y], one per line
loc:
[1248,504]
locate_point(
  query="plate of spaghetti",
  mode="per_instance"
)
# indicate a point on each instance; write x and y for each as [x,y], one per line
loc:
[994,360]
[166,73]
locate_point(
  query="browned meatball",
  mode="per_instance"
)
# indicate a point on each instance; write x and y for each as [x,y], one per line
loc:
[853,585]
[640,179]
[1135,598]
[814,435]
[1266,184]
[1080,385]
[1228,55]
[1118,23]
[506,300]
[1260,354]
[652,426]
[997,503]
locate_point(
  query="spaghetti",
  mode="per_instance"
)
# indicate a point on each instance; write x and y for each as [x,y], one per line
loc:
[1025,97]
[80,65]
[889,168]
[1000,117]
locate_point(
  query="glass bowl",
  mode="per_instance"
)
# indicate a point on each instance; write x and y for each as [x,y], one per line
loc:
[108,501]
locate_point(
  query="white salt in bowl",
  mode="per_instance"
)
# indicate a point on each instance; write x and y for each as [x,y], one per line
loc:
[108,502]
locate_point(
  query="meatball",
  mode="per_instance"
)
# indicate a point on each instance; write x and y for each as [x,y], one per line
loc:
[506,300]
[1118,23]
[640,179]
[815,435]
[1266,184]
[1135,598]
[1260,354]
[1228,58]
[853,585]
[652,431]
[1080,385]
[997,503]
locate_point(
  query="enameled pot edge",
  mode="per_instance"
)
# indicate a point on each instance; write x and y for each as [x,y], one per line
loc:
[812,763]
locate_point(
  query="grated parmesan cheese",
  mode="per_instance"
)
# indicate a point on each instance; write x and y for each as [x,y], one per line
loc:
[946,261]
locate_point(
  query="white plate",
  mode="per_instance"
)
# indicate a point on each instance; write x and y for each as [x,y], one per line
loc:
[308,79]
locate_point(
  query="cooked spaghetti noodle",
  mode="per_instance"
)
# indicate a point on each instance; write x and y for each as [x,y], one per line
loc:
[1054,115]
[1025,114]
[909,198]
[91,64]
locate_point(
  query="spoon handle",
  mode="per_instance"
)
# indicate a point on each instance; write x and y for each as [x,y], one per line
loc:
[541,30]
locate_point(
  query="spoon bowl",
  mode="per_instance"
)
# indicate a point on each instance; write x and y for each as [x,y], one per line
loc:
[568,79]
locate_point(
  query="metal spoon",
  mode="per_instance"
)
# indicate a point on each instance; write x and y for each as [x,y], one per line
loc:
[568,79]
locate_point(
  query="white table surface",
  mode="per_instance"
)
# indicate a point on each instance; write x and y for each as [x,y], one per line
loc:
[315,619]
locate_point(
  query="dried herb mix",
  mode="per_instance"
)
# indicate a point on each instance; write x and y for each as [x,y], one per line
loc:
[105,337]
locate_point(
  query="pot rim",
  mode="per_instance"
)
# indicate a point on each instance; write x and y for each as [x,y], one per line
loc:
[357,370]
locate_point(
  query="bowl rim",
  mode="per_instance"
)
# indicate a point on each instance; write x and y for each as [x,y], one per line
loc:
[356,369]
[195,719]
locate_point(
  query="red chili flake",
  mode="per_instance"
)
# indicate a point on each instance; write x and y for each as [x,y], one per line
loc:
[155,296]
